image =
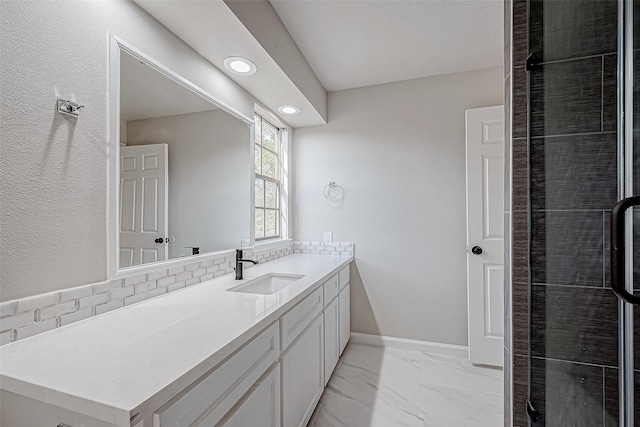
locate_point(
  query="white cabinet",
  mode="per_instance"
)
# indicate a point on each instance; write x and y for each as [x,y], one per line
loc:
[211,398]
[331,288]
[299,317]
[344,304]
[303,375]
[261,405]
[273,380]
[331,338]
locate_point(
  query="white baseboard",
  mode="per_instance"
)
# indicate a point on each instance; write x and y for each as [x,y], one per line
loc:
[407,344]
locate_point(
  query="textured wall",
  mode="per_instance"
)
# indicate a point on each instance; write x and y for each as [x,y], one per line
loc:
[53,168]
[398,151]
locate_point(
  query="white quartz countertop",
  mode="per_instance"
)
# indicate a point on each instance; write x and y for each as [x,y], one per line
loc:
[132,360]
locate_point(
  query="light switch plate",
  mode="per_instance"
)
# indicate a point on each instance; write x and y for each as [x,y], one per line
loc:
[328,237]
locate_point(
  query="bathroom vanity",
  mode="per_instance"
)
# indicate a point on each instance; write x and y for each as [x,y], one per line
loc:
[212,354]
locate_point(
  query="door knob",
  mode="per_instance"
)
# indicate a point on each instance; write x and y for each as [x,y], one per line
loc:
[476,250]
[159,240]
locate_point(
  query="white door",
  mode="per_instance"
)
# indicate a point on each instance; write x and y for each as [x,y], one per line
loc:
[143,204]
[485,234]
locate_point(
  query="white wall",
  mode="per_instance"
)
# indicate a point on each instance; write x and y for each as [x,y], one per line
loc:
[53,168]
[398,150]
[209,177]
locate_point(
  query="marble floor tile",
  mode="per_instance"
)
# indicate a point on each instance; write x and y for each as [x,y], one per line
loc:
[365,386]
[462,405]
[336,411]
[439,370]
[383,361]
[375,386]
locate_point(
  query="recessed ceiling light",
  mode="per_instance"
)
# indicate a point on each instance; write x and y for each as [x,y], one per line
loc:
[289,109]
[240,65]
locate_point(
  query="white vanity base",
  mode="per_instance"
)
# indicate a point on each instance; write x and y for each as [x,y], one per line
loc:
[199,357]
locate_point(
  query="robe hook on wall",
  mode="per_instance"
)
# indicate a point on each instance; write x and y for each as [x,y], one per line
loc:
[69,108]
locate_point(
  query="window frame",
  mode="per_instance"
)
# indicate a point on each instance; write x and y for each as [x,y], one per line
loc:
[258,144]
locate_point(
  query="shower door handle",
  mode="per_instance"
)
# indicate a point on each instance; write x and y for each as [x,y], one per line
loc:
[618,252]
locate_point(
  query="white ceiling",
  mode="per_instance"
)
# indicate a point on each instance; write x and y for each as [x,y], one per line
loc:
[145,93]
[347,43]
[212,30]
[360,43]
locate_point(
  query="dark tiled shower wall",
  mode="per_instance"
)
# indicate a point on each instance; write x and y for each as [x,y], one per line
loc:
[564,182]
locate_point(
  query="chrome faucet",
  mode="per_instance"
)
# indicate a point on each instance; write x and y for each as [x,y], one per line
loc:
[239,262]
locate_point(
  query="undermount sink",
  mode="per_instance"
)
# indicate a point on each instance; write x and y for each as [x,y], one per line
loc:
[267,284]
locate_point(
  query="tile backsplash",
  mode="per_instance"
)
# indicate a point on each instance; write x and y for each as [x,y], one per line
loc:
[29,316]
[321,248]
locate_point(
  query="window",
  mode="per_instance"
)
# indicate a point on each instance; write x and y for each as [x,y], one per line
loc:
[267,179]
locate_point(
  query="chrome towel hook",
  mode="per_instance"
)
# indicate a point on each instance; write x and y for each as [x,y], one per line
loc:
[69,108]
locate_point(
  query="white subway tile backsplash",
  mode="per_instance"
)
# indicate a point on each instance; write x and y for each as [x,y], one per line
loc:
[6,337]
[70,318]
[199,272]
[112,305]
[184,276]
[146,286]
[191,267]
[107,286]
[135,279]
[119,293]
[40,313]
[42,300]
[94,300]
[144,296]
[36,328]
[156,275]
[59,309]
[206,277]
[176,270]
[321,248]
[73,293]
[213,269]
[8,308]
[192,282]
[207,263]
[166,281]
[176,286]
[17,320]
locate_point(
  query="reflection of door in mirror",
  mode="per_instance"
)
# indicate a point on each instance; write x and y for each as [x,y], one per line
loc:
[143,204]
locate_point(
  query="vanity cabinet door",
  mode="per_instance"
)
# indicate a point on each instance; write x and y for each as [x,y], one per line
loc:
[331,338]
[261,406]
[205,403]
[303,375]
[344,303]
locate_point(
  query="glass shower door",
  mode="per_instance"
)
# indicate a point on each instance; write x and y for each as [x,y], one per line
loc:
[581,164]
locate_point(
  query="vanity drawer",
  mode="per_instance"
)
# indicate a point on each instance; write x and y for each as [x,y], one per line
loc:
[344,277]
[330,289]
[212,397]
[294,322]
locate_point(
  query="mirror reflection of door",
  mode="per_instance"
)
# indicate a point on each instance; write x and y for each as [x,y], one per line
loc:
[143,204]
